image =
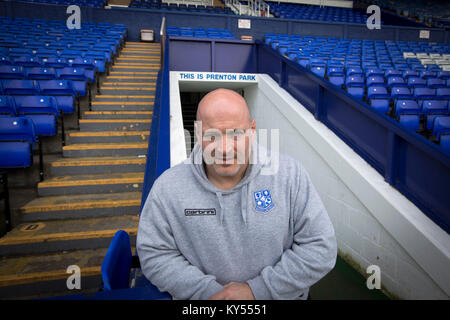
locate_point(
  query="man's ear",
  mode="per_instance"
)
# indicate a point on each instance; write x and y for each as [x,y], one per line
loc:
[198,130]
[253,127]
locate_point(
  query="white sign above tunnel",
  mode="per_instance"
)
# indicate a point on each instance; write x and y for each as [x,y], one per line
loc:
[217,76]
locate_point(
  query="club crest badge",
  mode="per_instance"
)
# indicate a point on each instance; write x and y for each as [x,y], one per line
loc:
[263,200]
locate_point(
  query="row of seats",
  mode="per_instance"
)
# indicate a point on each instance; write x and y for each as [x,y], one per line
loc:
[200,32]
[355,52]
[42,110]
[180,7]
[44,69]
[313,12]
[81,3]
[375,72]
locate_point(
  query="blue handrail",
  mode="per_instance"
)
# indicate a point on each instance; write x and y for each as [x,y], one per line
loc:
[158,151]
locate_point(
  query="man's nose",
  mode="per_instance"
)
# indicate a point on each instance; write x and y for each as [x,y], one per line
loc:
[225,145]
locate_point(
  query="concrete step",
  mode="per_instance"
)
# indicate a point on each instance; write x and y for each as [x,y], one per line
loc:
[118,114]
[105,149]
[115,124]
[130,78]
[81,206]
[46,275]
[118,98]
[93,165]
[107,136]
[122,105]
[66,235]
[91,183]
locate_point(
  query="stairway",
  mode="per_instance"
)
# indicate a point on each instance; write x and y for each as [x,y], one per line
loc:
[93,190]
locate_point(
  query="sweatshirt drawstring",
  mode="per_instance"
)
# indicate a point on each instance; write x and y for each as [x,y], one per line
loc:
[244,203]
[219,196]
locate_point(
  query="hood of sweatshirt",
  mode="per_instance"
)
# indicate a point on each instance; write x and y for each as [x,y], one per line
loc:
[253,170]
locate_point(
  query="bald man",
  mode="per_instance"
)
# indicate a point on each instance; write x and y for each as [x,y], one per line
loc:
[217,227]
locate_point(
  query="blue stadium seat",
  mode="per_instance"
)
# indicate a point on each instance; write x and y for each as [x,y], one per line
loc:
[63,91]
[336,76]
[357,71]
[17,136]
[7,106]
[42,110]
[22,87]
[396,81]
[428,74]
[355,86]
[435,83]
[56,62]
[424,93]
[416,82]
[444,75]
[77,76]
[375,80]
[39,73]
[11,72]
[431,108]
[27,61]
[410,73]
[401,93]
[379,98]
[441,130]
[443,93]
[407,112]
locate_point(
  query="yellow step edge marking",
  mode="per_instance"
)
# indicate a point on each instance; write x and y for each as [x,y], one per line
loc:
[115,120]
[128,83]
[135,56]
[135,64]
[127,88]
[133,72]
[81,205]
[141,50]
[109,162]
[122,97]
[93,182]
[94,146]
[128,77]
[108,133]
[118,112]
[138,59]
[64,236]
[17,279]
[122,103]
[133,67]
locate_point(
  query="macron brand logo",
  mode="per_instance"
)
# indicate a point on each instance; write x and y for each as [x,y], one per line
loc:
[199,212]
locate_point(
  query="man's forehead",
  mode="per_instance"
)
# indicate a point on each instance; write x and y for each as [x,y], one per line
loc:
[222,104]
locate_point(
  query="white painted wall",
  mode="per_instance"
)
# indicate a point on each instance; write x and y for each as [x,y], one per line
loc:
[374,223]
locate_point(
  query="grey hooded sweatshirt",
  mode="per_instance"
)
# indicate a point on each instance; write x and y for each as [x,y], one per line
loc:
[271,231]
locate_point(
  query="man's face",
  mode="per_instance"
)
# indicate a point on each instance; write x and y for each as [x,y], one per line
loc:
[226,144]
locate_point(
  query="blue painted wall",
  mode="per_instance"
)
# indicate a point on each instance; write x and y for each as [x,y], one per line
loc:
[137,19]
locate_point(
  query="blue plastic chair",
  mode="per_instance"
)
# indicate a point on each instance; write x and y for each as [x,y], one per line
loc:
[441,130]
[117,265]
[17,136]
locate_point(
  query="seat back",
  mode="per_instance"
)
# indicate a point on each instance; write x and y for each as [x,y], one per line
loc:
[117,263]
[17,86]
[7,106]
[36,105]
[17,129]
